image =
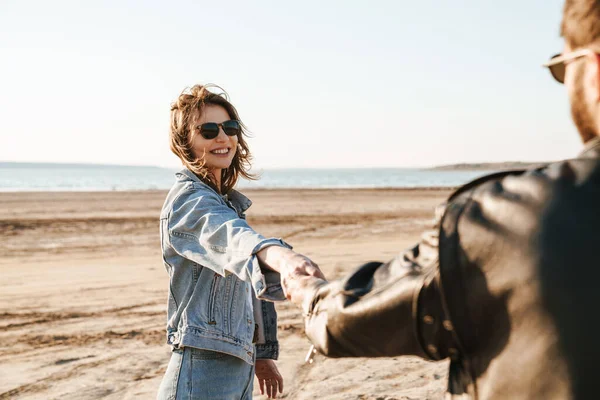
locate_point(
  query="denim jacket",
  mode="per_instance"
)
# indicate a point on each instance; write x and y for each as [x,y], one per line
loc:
[217,290]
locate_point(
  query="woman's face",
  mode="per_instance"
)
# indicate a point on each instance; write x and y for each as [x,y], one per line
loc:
[218,152]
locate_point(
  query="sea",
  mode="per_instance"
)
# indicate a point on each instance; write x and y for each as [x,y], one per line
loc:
[22,177]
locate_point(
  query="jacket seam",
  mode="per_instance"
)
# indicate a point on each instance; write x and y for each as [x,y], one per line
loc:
[466,358]
[219,249]
[184,235]
[216,335]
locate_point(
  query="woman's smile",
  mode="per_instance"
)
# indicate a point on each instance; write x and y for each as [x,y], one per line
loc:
[221,151]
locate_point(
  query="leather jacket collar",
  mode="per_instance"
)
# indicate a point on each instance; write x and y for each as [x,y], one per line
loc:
[591,148]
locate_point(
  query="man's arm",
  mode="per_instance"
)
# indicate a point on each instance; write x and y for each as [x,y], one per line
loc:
[368,314]
[374,311]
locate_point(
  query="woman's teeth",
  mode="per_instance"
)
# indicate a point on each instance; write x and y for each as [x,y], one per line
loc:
[220,151]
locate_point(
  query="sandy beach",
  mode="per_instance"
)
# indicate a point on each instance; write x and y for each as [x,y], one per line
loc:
[83,290]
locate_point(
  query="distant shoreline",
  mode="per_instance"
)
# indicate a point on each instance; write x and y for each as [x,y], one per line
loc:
[18,177]
[497,166]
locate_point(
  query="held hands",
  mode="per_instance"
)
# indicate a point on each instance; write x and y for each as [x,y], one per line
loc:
[269,378]
[297,280]
[297,271]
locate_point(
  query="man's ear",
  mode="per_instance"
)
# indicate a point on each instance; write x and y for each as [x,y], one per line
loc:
[596,74]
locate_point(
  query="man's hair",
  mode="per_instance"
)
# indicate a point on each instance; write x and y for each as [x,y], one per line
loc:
[581,22]
[188,106]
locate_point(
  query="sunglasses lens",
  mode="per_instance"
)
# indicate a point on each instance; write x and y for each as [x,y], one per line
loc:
[231,128]
[209,130]
[558,70]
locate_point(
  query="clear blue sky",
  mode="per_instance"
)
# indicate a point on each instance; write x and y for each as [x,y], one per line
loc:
[319,83]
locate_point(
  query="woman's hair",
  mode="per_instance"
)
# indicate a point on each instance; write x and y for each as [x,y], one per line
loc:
[189,105]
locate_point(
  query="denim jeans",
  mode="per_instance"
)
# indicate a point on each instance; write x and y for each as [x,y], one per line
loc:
[196,374]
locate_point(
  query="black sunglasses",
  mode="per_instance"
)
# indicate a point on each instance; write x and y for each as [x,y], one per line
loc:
[210,130]
[558,63]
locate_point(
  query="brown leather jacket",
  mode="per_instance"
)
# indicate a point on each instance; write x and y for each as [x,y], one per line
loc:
[505,286]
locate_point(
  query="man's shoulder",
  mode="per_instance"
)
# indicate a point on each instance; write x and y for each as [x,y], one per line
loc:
[538,181]
[519,206]
[481,181]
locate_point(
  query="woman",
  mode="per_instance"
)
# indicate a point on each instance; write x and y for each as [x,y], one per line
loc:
[218,265]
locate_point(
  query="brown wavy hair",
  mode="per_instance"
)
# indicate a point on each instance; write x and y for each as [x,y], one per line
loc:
[581,22]
[189,104]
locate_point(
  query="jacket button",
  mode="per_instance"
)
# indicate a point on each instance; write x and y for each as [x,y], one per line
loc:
[432,349]
[448,325]
[428,319]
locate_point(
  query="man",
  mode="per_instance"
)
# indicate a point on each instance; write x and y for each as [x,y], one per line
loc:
[506,284]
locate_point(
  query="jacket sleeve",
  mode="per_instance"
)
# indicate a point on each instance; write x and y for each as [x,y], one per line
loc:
[203,229]
[374,311]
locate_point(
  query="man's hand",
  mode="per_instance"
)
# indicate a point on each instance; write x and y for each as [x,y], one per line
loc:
[269,378]
[298,287]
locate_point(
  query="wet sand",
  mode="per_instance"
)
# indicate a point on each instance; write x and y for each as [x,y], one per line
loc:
[83,290]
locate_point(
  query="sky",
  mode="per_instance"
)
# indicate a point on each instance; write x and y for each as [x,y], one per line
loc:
[320,84]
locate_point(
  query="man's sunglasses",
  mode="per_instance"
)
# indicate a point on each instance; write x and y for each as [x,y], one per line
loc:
[558,63]
[210,130]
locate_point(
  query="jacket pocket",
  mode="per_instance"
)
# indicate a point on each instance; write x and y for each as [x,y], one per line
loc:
[212,299]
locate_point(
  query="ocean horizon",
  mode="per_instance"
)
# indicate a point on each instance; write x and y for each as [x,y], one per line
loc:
[28,176]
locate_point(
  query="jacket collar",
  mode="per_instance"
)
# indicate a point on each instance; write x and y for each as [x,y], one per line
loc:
[591,148]
[233,196]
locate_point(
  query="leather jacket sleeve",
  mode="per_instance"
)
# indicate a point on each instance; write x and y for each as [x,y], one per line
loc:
[374,311]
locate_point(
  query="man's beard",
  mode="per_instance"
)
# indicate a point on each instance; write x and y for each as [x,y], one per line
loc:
[581,114]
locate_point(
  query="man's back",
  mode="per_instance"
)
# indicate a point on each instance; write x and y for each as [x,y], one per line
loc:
[507,249]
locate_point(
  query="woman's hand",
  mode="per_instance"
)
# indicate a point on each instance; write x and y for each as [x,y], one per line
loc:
[288,263]
[268,377]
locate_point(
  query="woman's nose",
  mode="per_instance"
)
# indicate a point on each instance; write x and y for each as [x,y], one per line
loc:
[222,136]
